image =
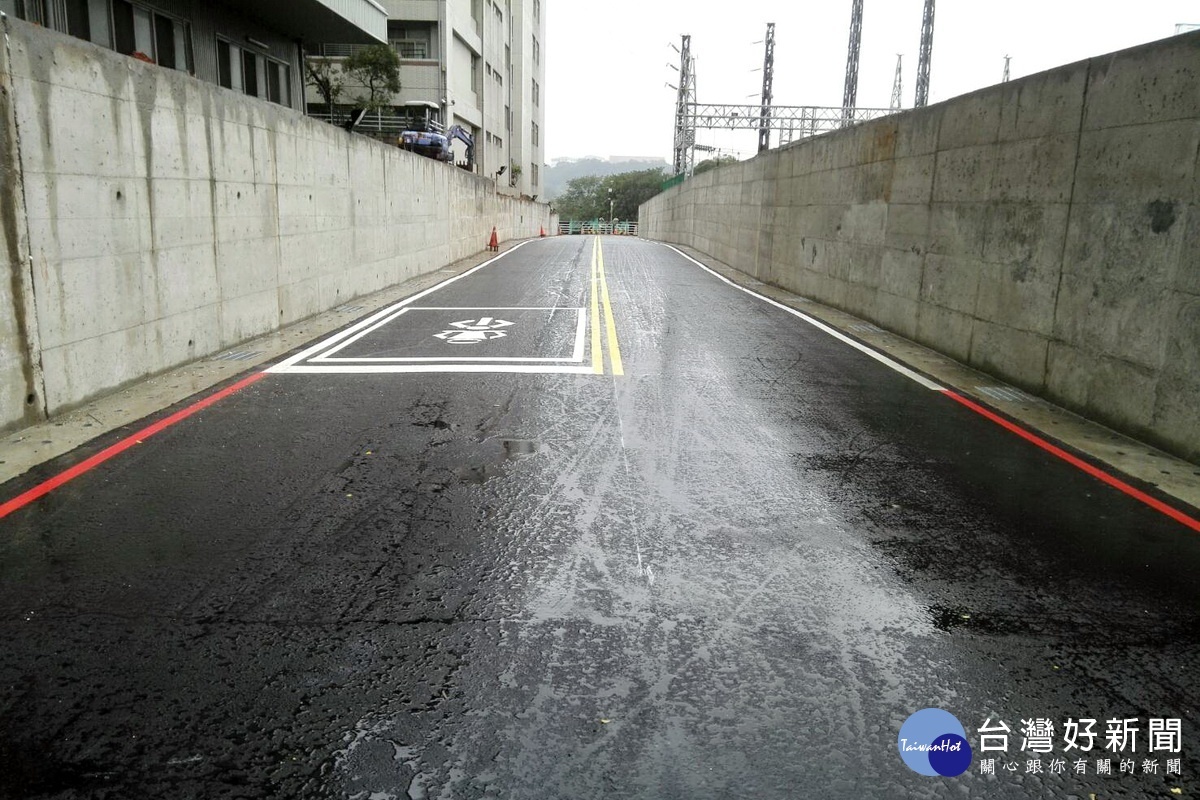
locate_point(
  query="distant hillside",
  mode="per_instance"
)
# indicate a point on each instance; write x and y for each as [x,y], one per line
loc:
[555,178]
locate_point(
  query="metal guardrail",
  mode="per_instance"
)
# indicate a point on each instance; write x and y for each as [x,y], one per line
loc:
[381,123]
[597,226]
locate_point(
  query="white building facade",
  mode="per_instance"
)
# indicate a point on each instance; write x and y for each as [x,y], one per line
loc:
[475,63]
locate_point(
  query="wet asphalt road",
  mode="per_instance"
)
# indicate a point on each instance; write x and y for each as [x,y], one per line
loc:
[732,571]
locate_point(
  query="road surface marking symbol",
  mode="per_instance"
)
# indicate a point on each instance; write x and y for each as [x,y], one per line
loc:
[320,358]
[463,332]
[468,337]
[474,331]
[597,355]
[614,350]
[287,364]
[481,324]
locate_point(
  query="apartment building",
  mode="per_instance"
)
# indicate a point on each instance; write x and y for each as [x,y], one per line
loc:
[475,63]
[249,46]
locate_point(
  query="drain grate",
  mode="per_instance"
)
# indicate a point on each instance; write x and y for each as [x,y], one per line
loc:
[1006,393]
[237,355]
[348,309]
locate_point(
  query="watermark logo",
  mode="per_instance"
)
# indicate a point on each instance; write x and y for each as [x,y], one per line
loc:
[933,742]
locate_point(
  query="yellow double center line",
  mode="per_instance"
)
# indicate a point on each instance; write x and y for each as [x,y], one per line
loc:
[599,296]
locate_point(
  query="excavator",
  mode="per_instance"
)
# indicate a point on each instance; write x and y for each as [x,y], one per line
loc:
[435,145]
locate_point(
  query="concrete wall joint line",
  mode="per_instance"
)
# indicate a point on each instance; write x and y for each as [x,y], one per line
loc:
[24,287]
[1062,255]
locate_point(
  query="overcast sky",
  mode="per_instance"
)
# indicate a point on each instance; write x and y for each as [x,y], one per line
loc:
[607,62]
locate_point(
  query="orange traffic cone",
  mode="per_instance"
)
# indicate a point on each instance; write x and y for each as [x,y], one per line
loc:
[494,242]
[542,232]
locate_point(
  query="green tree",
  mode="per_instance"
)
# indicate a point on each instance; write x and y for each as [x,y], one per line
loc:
[713,163]
[588,197]
[581,200]
[631,189]
[325,76]
[377,70]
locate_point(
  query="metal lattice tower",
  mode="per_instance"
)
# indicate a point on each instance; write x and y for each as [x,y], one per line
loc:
[850,95]
[1007,60]
[926,56]
[685,126]
[764,131]
[898,84]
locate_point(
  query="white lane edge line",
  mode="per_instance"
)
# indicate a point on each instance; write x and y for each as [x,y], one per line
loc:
[580,335]
[319,346]
[438,359]
[327,355]
[818,324]
[383,368]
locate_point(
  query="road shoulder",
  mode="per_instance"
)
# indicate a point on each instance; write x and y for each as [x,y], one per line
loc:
[1166,474]
[22,450]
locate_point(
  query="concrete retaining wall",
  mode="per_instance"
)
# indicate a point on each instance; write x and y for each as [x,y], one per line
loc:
[1044,230]
[150,219]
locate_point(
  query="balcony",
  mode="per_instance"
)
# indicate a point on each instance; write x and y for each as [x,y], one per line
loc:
[351,21]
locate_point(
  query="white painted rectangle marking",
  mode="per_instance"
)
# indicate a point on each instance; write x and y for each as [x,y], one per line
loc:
[576,355]
[288,364]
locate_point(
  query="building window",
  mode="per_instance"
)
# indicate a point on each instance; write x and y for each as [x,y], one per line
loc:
[537,9]
[411,40]
[537,94]
[533,175]
[537,51]
[411,49]
[508,118]
[278,86]
[253,73]
[137,31]
[534,135]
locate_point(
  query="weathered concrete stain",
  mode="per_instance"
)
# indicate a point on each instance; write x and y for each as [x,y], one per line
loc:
[12,216]
[1162,215]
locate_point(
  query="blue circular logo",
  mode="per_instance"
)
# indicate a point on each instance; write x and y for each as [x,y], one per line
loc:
[933,742]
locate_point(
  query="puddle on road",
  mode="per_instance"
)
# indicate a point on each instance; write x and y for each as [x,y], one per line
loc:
[948,619]
[520,448]
[513,450]
[478,475]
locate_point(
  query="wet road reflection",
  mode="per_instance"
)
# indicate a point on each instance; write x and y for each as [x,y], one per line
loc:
[732,570]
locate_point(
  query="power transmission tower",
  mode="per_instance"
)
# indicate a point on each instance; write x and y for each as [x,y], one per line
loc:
[898,84]
[1007,59]
[925,57]
[685,126]
[764,130]
[850,96]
